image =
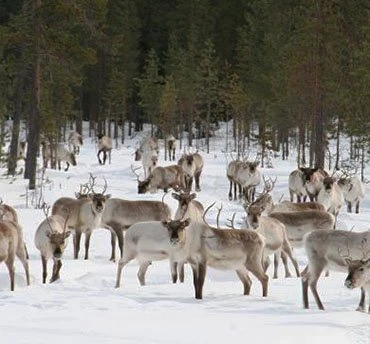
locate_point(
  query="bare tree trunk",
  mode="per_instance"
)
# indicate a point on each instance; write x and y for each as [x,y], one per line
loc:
[34,123]
[13,153]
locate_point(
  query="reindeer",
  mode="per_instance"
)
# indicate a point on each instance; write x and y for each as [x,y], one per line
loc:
[314,178]
[265,201]
[331,250]
[297,186]
[359,277]
[353,191]
[75,141]
[57,154]
[276,239]
[120,214]
[239,250]
[299,223]
[84,214]
[152,241]
[192,165]
[245,176]
[12,245]
[148,154]
[171,147]
[51,239]
[105,146]
[331,196]
[162,178]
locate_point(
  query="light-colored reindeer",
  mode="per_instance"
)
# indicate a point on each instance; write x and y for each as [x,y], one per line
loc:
[105,146]
[192,165]
[51,239]
[330,250]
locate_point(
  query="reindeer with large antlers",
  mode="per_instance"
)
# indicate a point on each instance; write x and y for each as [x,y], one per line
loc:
[332,250]
[85,213]
[51,239]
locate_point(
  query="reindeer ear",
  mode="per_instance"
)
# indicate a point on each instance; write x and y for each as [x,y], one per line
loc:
[108,196]
[175,196]
[68,233]
[193,195]
[48,234]
[164,223]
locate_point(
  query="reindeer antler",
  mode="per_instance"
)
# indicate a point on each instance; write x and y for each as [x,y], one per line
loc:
[134,171]
[232,222]
[218,216]
[205,212]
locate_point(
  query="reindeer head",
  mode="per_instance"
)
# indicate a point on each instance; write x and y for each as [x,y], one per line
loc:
[358,273]
[98,198]
[144,185]
[184,199]
[254,214]
[58,242]
[328,184]
[176,230]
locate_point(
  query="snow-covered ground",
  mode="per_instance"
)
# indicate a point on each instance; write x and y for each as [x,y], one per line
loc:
[84,307]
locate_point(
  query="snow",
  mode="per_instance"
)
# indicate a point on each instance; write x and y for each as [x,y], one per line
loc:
[84,307]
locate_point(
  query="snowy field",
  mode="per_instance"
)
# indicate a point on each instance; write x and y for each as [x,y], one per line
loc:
[84,307]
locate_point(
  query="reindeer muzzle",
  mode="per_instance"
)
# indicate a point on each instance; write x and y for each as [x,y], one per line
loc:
[349,284]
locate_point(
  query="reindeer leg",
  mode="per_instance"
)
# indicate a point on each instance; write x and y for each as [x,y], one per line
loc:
[22,255]
[87,243]
[361,305]
[44,268]
[247,283]
[197,181]
[11,268]
[173,267]
[66,169]
[349,207]
[98,155]
[76,243]
[113,239]
[277,256]
[181,272]
[230,191]
[122,262]
[256,270]
[142,271]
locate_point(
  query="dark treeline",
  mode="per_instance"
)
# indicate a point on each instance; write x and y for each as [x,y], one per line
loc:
[296,68]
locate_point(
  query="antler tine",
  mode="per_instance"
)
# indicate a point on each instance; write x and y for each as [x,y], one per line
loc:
[92,182]
[164,195]
[268,184]
[105,186]
[218,216]
[45,208]
[232,222]
[205,212]
[134,171]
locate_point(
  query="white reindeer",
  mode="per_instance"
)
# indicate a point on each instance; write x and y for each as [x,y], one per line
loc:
[82,215]
[105,146]
[75,141]
[331,196]
[51,240]
[12,245]
[56,154]
[353,191]
[276,239]
[152,241]
[330,250]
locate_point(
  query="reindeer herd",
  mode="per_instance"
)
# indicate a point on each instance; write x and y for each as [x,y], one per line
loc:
[147,231]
